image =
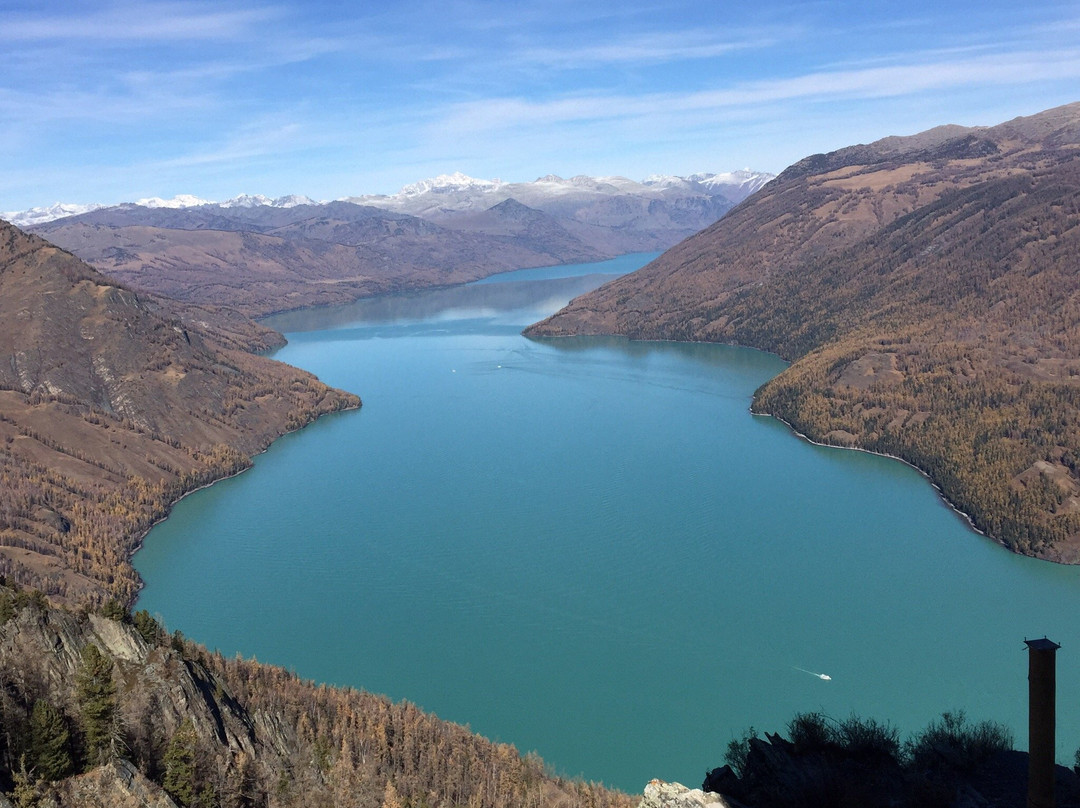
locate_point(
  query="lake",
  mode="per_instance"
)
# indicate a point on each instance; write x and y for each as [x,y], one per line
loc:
[590,548]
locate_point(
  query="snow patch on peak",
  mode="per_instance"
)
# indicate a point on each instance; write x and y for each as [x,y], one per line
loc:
[247,201]
[741,178]
[292,201]
[178,201]
[40,215]
[604,183]
[665,181]
[447,183]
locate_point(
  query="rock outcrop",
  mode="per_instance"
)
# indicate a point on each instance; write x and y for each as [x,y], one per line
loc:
[659,794]
[117,784]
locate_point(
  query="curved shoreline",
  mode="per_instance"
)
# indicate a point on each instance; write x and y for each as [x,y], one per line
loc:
[141,538]
[941,494]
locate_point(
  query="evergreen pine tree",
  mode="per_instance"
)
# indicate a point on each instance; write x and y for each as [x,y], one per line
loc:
[179,780]
[96,694]
[147,626]
[50,751]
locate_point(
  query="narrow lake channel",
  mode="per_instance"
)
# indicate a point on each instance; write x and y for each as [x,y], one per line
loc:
[589,547]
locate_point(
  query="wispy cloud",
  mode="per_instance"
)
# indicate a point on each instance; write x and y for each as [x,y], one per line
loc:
[823,86]
[644,49]
[140,22]
[172,96]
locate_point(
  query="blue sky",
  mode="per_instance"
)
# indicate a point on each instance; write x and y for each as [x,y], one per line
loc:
[111,101]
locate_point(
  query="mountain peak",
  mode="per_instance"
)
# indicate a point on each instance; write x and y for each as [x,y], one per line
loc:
[40,215]
[449,191]
[447,183]
[178,201]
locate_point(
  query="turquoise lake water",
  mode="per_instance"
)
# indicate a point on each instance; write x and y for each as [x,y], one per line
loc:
[590,548]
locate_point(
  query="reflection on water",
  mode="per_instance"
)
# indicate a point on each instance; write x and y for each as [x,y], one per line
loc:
[500,303]
[616,266]
[510,298]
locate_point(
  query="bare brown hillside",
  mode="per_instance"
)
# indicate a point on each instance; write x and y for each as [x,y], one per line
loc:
[927,290]
[112,407]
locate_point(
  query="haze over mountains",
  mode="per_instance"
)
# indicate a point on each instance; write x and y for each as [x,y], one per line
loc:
[264,255]
[926,289]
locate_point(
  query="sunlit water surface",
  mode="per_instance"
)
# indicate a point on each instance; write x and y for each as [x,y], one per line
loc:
[590,548]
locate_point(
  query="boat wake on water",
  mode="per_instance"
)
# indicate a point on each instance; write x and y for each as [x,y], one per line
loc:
[823,676]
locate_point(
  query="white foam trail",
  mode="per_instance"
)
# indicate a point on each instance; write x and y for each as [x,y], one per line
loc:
[823,676]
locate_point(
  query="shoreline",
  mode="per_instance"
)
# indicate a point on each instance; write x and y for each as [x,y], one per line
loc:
[941,495]
[141,538]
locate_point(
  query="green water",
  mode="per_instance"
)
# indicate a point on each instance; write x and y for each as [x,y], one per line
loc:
[590,548]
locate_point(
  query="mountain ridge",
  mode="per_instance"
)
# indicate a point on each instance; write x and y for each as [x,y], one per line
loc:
[264,257]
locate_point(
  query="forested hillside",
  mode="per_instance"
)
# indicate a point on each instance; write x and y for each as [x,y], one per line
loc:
[112,711]
[112,406]
[927,290]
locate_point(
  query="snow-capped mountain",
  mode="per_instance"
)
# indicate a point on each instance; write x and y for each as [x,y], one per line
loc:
[178,201]
[734,186]
[449,183]
[60,210]
[258,201]
[448,229]
[743,182]
[446,195]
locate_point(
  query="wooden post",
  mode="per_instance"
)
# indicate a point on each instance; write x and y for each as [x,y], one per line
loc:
[1042,686]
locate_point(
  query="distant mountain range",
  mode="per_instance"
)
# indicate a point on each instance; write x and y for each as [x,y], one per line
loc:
[262,255]
[460,191]
[926,289]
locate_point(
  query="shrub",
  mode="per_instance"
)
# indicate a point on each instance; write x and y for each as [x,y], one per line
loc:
[952,742]
[810,732]
[737,751]
[866,736]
